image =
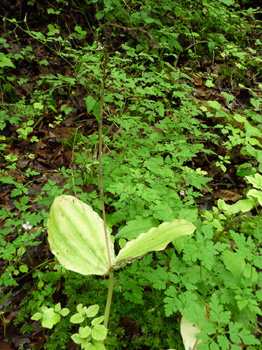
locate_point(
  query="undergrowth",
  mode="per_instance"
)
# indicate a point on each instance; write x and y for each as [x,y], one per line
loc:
[156,125]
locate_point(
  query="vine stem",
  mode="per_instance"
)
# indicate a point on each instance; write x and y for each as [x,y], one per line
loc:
[107,235]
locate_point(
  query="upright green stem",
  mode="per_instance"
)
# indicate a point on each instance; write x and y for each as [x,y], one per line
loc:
[109,296]
[102,93]
[107,236]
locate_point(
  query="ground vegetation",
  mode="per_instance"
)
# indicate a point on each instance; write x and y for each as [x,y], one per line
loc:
[181,135]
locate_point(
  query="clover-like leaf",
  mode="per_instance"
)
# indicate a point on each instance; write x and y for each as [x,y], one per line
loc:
[50,318]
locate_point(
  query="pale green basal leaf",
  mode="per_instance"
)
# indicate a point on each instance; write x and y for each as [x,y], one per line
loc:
[92,310]
[243,205]
[76,237]
[255,194]
[84,332]
[96,321]
[255,180]
[58,307]
[76,338]
[99,332]
[99,346]
[80,308]
[64,312]
[157,238]
[77,318]
[50,318]
[37,316]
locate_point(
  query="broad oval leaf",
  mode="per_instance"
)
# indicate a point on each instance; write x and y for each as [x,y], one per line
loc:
[37,316]
[77,338]
[99,332]
[157,238]
[64,312]
[96,321]
[92,310]
[84,331]
[77,318]
[76,237]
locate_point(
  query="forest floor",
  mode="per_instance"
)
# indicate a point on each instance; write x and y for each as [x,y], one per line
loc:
[47,125]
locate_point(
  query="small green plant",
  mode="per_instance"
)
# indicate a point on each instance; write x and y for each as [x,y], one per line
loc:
[81,242]
[93,336]
[50,316]
[222,161]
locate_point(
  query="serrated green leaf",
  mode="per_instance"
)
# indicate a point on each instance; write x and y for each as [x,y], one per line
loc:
[255,194]
[76,338]
[64,312]
[99,332]
[50,318]
[99,346]
[96,321]
[214,104]
[214,346]
[255,180]
[223,342]
[92,310]
[77,318]
[5,61]
[90,102]
[84,332]
[37,316]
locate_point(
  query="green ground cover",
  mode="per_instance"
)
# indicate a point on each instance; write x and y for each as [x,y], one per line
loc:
[178,84]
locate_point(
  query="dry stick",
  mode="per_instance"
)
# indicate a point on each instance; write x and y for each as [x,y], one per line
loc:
[107,237]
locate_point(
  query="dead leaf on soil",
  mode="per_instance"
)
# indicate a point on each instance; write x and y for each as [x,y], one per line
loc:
[227,195]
